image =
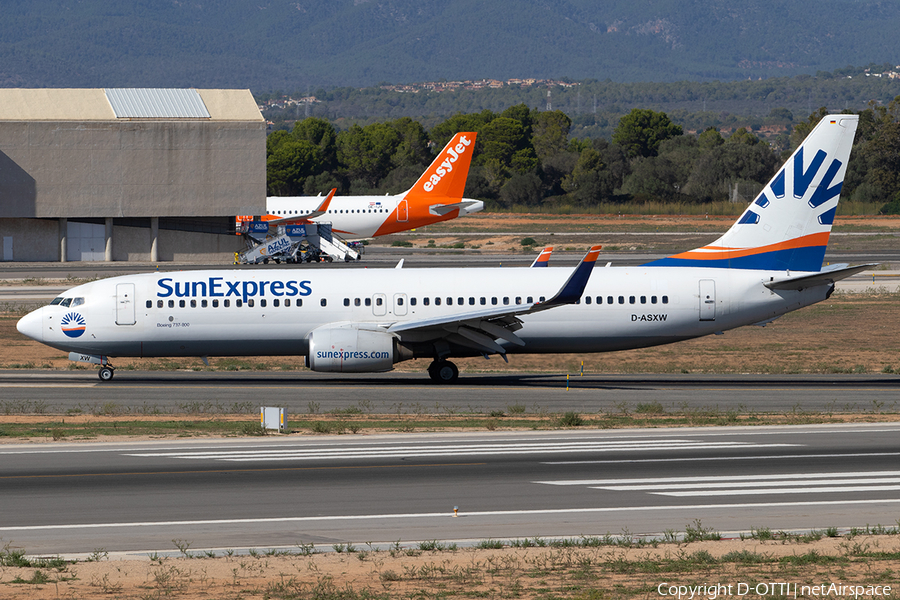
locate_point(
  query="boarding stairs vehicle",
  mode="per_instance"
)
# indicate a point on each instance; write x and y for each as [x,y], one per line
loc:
[311,242]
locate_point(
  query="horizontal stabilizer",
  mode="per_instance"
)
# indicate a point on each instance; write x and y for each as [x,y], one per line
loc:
[442,209]
[822,278]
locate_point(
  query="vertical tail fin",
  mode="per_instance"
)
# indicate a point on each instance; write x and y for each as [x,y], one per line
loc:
[788,225]
[543,259]
[446,177]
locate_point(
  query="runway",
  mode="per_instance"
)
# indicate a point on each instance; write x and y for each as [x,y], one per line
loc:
[301,392]
[267,493]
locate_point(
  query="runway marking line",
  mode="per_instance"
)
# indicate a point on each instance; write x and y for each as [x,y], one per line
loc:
[449,514]
[63,476]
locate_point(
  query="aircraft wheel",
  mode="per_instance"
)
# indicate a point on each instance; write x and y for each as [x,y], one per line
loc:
[328,259]
[443,371]
[106,373]
[265,261]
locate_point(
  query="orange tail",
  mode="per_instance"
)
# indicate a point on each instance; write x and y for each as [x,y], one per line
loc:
[446,177]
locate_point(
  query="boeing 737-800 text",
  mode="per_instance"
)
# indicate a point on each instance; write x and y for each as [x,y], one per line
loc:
[437,196]
[767,264]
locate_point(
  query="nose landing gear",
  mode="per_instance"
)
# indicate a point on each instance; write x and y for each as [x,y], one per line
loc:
[106,373]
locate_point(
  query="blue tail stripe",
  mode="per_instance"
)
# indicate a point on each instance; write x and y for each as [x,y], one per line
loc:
[794,259]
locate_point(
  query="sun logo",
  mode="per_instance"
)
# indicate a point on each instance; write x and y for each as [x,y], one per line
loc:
[73,325]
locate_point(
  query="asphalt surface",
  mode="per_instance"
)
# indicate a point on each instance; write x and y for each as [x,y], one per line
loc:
[302,392]
[267,493]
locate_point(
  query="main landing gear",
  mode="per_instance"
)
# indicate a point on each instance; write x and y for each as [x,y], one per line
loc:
[106,373]
[443,371]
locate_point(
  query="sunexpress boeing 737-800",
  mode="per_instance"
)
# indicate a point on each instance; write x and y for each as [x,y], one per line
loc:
[767,264]
[437,196]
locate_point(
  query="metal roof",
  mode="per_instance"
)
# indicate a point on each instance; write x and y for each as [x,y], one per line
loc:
[156,103]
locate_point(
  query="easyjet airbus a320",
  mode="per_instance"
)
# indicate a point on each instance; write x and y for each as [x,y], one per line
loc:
[436,196]
[767,264]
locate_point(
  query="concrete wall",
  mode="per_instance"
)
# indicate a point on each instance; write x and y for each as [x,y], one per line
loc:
[133,244]
[37,240]
[32,240]
[131,168]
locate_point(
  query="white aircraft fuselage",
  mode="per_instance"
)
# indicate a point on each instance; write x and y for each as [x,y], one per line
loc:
[184,314]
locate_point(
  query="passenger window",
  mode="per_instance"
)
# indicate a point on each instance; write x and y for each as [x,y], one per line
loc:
[494,300]
[652,299]
[226,303]
[368,302]
[665,299]
[215,304]
[599,299]
[426,301]
[630,299]
[181,304]
[159,304]
[379,301]
[643,299]
[299,302]
[587,299]
[518,299]
[149,303]
[543,299]
[251,302]
[400,301]
[578,301]
[276,303]
[460,301]
[239,303]
[471,301]
[203,304]
[323,302]
[346,301]
[437,301]
[287,301]
[262,302]
[193,304]
[621,299]
[412,301]
[483,300]
[505,299]
[449,301]
[356,302]
[529,300]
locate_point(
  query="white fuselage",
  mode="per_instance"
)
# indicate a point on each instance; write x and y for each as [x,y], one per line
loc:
[363,216]
[185,313]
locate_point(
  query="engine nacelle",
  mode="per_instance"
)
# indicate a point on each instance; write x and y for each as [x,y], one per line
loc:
[348,349]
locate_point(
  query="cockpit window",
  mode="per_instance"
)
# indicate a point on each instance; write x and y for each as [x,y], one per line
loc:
[77,301]
[66,302]
[56,301]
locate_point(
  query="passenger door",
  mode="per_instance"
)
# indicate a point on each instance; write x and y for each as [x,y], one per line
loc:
[707,300]
[125,304]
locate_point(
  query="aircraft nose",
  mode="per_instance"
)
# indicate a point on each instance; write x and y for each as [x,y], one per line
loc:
[31,325]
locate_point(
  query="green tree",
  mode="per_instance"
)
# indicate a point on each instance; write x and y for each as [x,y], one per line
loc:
[550,134]
[289,165]
[641,131]
[365,153]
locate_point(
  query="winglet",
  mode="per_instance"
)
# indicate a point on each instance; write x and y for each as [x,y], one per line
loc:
[323,208]
[543,259]
[574,286]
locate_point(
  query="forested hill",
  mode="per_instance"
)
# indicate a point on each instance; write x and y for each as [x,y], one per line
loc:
[289,44]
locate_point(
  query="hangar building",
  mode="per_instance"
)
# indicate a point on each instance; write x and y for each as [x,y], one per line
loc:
[128,174]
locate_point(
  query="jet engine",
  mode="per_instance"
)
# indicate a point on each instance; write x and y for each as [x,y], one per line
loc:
[349,349]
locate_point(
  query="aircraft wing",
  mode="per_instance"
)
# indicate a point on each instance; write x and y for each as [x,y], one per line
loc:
[826,277]
[321,210]
[479,329]
[443,209]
